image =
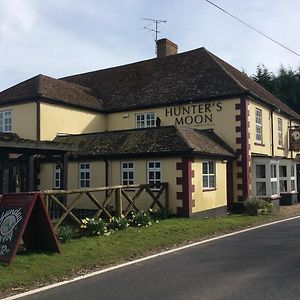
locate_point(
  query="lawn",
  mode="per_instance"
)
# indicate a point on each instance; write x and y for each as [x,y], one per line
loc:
[90,253]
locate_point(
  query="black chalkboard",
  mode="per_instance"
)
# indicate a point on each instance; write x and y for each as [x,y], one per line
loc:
[24,215]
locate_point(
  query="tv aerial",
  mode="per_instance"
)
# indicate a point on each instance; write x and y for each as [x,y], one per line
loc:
[155,29]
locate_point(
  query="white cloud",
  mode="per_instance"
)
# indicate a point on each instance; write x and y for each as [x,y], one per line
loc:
[61,37]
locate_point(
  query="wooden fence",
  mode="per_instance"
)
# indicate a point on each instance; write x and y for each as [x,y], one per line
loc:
[123,198]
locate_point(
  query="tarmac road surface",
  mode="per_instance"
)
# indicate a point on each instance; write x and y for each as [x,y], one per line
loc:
[260,264]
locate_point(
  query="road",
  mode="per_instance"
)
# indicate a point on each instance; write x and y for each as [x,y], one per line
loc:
[258,264]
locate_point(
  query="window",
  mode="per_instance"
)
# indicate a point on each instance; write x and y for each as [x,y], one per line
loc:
[293,178]
[258,122]
[260,178]
[145,120]
[208,174]
[274,180]
[57,176]
[154,173]
[283,182]
[280,136]
[6,121]
[127,172]
[84,175]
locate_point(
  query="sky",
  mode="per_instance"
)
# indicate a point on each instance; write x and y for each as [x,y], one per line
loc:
[63,37]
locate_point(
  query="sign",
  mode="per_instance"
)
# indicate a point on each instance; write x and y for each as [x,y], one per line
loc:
[295,139]
[24,215]
[194,114]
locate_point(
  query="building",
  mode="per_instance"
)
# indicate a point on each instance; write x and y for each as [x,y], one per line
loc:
[232,136]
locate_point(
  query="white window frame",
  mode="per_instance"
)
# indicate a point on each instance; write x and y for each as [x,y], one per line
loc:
[280,132]
[6,121]
[290,176]
[127,168]
[145,120]
[84,175]
[57,176]
[260,179]
[269,178]
[284,178]
[258,126]
[210,176]
[154,170]
[293,177]
[274,179]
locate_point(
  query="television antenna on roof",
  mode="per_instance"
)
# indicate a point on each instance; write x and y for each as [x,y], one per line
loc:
[155,29]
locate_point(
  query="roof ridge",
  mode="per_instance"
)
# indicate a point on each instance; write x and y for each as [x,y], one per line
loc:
[117,131]
[224,69]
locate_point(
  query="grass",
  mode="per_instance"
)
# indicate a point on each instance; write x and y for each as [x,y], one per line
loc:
[89,253]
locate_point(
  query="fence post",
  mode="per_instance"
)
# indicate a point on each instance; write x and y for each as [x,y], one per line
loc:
[167,195]
[119,209]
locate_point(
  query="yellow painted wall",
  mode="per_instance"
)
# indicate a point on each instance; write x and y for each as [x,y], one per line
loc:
[97,180]
[209,199]
[208,115]
[265,148]
[23,119]
[267,132]
[58,119]
[169,174]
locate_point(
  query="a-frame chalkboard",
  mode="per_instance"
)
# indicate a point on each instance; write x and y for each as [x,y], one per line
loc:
[24,215]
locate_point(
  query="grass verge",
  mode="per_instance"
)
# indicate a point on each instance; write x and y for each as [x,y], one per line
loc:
[79,256]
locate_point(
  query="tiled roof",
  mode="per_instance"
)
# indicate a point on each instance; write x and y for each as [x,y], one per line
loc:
[59,91]
[196,75]
[19,145]
[192,76]
[169,140]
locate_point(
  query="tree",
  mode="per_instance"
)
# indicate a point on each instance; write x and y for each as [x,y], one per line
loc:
[285,85]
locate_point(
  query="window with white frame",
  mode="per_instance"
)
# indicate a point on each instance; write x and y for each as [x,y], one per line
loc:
[283,181]
[57,176]
[127,171]
[280,134]
[272,177]
[154,173]
[84,175]
[293,178]
[208,175]
[145,120]
[258,126]
[260,180]
[274,180]
[6,121]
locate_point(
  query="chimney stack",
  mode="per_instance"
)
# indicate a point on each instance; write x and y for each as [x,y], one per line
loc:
[166,47]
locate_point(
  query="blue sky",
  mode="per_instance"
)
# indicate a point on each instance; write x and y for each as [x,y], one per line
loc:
[62,37]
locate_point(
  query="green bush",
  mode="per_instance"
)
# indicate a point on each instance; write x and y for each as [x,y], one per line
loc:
[94,226]
[118,223]
[65,233]
[258,206]
[139,219]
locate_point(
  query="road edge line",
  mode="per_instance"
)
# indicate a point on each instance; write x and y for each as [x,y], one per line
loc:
[58,284]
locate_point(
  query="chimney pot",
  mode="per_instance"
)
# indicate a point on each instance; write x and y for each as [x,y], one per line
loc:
[166,47]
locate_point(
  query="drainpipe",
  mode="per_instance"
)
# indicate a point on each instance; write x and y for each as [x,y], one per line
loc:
[38,120]
[289,141]
[272,132]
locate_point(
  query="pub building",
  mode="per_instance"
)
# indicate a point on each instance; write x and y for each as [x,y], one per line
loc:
[189,119]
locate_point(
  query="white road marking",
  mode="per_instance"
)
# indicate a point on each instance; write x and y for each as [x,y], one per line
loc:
[51,286]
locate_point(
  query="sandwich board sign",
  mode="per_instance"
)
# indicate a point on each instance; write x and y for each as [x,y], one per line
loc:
[24,216]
